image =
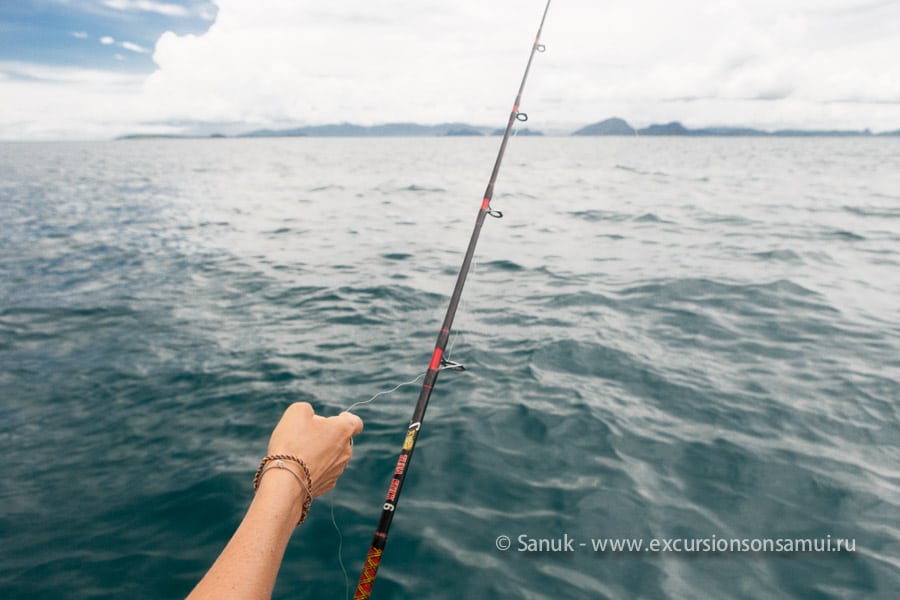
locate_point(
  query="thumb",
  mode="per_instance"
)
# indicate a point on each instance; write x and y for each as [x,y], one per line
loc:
[352,421]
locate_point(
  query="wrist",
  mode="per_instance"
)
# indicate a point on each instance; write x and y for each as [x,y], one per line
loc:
[279,484]
[298,492]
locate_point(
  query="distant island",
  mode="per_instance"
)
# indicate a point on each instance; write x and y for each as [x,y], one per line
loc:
[385,130]
[167,136]
[617,126]
[609,127]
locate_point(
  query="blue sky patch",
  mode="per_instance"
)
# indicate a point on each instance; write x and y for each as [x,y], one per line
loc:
[97,34]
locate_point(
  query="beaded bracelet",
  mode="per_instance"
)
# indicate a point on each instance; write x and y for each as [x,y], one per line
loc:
[279,464]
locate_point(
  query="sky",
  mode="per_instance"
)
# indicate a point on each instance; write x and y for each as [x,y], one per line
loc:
[95,69]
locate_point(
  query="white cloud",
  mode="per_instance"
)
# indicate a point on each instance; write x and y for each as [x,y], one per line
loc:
[766,63]
[134,47]
[162,8]
[758,64]
[60,103]
[769,63]
[107,40]
[81,35]
[320,62]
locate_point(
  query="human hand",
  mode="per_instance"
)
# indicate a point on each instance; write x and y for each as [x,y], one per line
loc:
[323,443]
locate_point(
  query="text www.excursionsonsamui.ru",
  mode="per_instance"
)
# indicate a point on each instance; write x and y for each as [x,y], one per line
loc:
[709,545]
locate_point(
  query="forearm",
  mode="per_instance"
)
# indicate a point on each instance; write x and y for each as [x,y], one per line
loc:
[247,567]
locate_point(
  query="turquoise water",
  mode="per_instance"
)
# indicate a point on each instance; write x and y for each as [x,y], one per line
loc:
[665,338]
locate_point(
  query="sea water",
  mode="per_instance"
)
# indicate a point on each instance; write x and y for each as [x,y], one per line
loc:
[668,339]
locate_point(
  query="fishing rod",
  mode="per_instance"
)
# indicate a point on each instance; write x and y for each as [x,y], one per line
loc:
[438,361]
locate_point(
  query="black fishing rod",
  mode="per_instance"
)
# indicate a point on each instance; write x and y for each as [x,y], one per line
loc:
[438,362]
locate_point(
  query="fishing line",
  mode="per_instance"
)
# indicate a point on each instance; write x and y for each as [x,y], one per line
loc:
[340,552]
[459,332]
[390,391]
[331,502]
[333,519]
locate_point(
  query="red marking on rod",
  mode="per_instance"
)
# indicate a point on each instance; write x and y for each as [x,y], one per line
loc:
[401,464]
[392,491]
[427,386]
[484,206]
[436,359]
[515,108]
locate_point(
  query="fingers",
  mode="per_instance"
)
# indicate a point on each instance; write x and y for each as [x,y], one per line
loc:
[353,421]
[305,409]
[301,409]
[348,422]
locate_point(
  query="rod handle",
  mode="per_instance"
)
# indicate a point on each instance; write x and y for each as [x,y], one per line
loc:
[367,577]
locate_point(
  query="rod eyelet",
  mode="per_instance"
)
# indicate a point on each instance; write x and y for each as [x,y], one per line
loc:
[520,116]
